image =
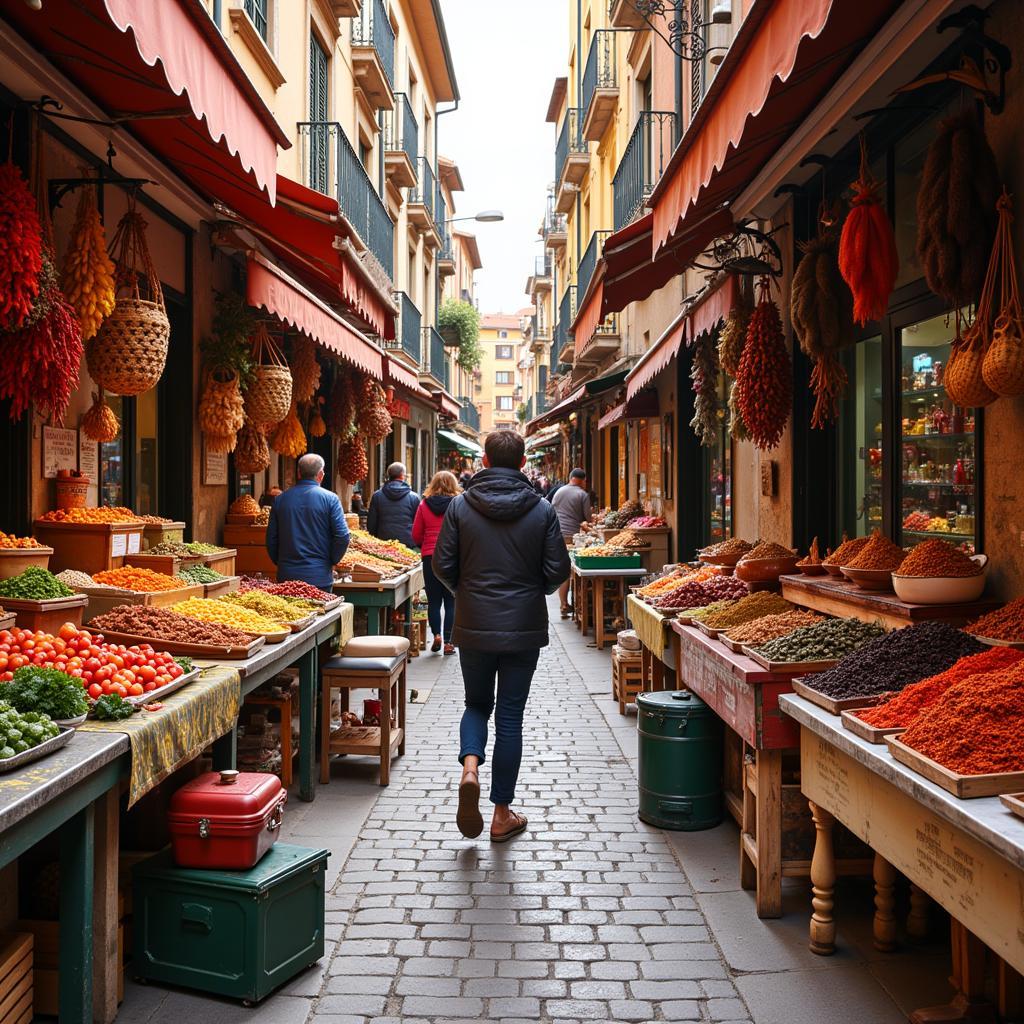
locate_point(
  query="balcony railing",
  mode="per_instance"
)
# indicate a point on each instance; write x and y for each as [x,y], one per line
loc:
[441,220]
[542,265]
[334,168]
[373,28]
[426,191]
[401,132]
[554,222]
[588,262]
[644,161]
[257,11]
[566,315]
[434,357]
[469,414]
[542,389]
[600,72]
[570,140]
[408,331]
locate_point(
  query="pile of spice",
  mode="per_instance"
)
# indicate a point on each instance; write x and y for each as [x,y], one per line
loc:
[245,505]
[977,727]
[198,547]
[225,614]
[199,573]
[897,659]
[812,557]
[676,578]
[846,552]
[828,640]
[290,588]
[1006,623]
[170,547]
[725,548]
[161,624]
[878,553]
[767,549]
[903,709]
[938,558]
[709,609]
[34,584]
[144,581]
[771,627]
[277,609]
[262,517]
[155,520]
[747,609]
[697,593]
[81,580]
[91,516]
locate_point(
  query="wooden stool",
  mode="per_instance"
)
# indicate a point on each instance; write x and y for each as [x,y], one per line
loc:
[367,663]
[284,705]
[627,677]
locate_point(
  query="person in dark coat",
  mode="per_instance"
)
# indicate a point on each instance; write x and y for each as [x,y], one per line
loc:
[426,527]
[500,551]
[307,535]
[393,508]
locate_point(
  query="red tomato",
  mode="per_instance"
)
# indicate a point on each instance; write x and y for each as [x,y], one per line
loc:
[95,690]
[136,690]
[68,631]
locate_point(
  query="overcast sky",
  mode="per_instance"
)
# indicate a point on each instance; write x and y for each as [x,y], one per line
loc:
[506,59]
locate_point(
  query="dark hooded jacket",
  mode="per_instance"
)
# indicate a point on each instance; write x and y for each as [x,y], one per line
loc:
[500,550]
[392,510]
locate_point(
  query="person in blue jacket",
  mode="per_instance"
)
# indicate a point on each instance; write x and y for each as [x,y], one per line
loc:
[307,535]
[393,508]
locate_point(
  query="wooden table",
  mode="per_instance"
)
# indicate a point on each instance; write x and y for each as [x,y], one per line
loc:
[967,855]
[386,594]
[593,581]
[833,595]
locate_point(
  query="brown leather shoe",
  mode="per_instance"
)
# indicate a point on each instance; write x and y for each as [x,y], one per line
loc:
[468,817]
[449,648]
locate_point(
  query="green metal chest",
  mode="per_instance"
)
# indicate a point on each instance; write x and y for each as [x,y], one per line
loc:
[239,934]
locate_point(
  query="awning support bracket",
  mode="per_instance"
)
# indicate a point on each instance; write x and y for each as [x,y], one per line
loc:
[747,251]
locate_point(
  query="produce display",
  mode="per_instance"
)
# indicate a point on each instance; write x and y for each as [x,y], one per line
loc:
[771,627]
[48,691]
[162,624]
[246,505]
[9,540]
[1006,623]
[197,547]
[81,580]
[88,275]
[91,516]
[155,520]
[21,732]
[388,550]
[727,548]
[938,558]
[626,539]
[767,549]
[621,517]
[112,707]
[34,584]
[827,640]
[200,573]
[223,614]
[747,609]
[707,610]
[903,709]
[291,588]
[846,552]
[606,550]
[695,593]
[647,523]
[170,547]
[262,517]
[878,553]
[896,659]
[675,578]
[277,609]
[143,581]
[387,570]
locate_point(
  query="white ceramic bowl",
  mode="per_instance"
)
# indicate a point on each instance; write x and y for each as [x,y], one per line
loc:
[941,589]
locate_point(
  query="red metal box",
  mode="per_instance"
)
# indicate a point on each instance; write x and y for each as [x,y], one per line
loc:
[226,820]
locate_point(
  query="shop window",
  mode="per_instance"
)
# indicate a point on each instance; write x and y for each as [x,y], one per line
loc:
[859,433]
[259,15]
[320,136]
[718,471]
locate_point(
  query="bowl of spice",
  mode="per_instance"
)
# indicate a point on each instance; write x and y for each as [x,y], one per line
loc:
[766,562]
[810,564]
[843,555]
[872,567]
[936,572]
[726,553]
[1003,627]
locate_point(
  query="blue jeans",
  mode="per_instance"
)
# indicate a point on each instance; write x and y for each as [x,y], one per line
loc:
[438,597]
[514,673]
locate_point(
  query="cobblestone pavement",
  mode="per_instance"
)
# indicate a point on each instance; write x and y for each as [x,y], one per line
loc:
[586,917]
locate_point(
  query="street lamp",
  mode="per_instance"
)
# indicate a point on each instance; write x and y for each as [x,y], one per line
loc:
[483,217]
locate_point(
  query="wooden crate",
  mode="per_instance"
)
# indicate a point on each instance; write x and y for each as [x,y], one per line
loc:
[102,601]
[251,559]
[161,533]
[627,679]
[14,561]
[221,561]
[237,536]
[16,978]
[49,615]
[89,547]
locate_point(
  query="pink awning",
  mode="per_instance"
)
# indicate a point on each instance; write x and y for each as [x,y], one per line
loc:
[715,305]
[590,315]
[400,375]
[557,412]
[270,288]
[612,416]
[447,405]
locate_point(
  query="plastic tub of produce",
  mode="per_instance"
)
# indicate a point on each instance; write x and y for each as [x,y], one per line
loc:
[14,561]
[942,589]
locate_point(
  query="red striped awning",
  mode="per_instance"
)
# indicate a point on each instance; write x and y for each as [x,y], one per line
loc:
[447,405]
[557,412]
[713,306]
[612,416]
[270,288]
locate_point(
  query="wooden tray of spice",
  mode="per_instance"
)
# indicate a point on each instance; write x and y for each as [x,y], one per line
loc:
[7,621]
[965,787]
[1014,802]
[1017,645]
[832,705]
[206,651]
[300,624]
[853,723]
[731,644]
[789,668]
[707,630]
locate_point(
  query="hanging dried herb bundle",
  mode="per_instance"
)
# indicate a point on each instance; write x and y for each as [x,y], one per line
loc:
[341,408]
[352,464]
[374,420]
[868,259]
[88,278]
[956,209]
[737,428]
[765,377]
[305,369]
[221,410]
[288,437]
[704,378]
[1003,368]
[100,422]
[317,426]
[734,336]
[252,453]
[21,248]
[821,309]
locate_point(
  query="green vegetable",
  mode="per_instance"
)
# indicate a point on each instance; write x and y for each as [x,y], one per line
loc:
[19,733]
[46,690]
[111,707]
[34,584]
[201,574]
[186,664]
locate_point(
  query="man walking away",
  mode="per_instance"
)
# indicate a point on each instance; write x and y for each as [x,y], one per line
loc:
[393,508]
[307,535]
[572,503]
[500,551]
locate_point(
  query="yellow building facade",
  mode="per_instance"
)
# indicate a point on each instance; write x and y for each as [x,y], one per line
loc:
[498,388]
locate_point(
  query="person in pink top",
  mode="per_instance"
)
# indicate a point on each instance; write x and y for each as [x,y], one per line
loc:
[425,528]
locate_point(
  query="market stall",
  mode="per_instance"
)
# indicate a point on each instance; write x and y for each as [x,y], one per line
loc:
[599,595]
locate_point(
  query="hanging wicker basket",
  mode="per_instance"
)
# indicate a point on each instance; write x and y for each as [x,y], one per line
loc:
[128,353]
[1004,360]
[269,397]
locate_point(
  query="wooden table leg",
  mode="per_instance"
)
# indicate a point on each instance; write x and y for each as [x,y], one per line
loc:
[768,769]
[917,918]
[599,612]
[1010,989]
[748,823]
[76,917]
[823,884]
[885,902]
[307,723]
[970,1003]
[105,954]
[584,621]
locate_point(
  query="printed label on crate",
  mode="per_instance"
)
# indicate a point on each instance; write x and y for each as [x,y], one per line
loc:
[119,545]
[134,543]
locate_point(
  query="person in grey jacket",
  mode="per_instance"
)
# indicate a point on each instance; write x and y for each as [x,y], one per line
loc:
[500,551]
[393,508]
[572,503]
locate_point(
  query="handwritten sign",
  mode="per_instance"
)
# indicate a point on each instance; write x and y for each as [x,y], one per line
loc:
[60,450]
[88,458]
[215,468]
[118,545]
[134,543]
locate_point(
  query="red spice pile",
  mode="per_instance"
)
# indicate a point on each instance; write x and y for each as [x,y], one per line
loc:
[1006,623]
[938,558]
[878,553]
[903,709]
[978,726]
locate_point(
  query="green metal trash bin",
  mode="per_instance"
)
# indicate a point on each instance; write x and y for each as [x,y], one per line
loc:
[680,761]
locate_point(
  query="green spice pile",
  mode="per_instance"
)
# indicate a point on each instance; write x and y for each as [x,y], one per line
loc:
[702,612]
[197,547]
[169,547]
[825,641]
[771,627]
[200,574]
[746,609]
[34,584]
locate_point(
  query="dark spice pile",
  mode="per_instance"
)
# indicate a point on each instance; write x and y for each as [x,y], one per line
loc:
[160,624]
[824,641]
[896,659]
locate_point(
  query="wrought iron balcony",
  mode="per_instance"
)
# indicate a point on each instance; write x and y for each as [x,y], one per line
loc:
[333,168]
[555,229]
[572,158]
[408,329]
[373,53]
[588,261]
[469,414]
[600,85]
[644,161]
[561,350]
[446,250]
[401,143]
[435,360]
[423,202]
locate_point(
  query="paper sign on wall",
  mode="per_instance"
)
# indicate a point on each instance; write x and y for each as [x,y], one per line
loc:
[88,458]
[215,467]
[60,450]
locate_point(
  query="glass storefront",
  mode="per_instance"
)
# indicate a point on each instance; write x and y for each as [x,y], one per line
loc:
[859,431]
[718,471]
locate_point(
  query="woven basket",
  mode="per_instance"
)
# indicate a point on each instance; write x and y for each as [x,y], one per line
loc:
[963,378]
[1003,368]
[269,397]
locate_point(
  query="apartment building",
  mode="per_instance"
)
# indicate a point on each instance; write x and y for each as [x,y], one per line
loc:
[459,286]
[498,388]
